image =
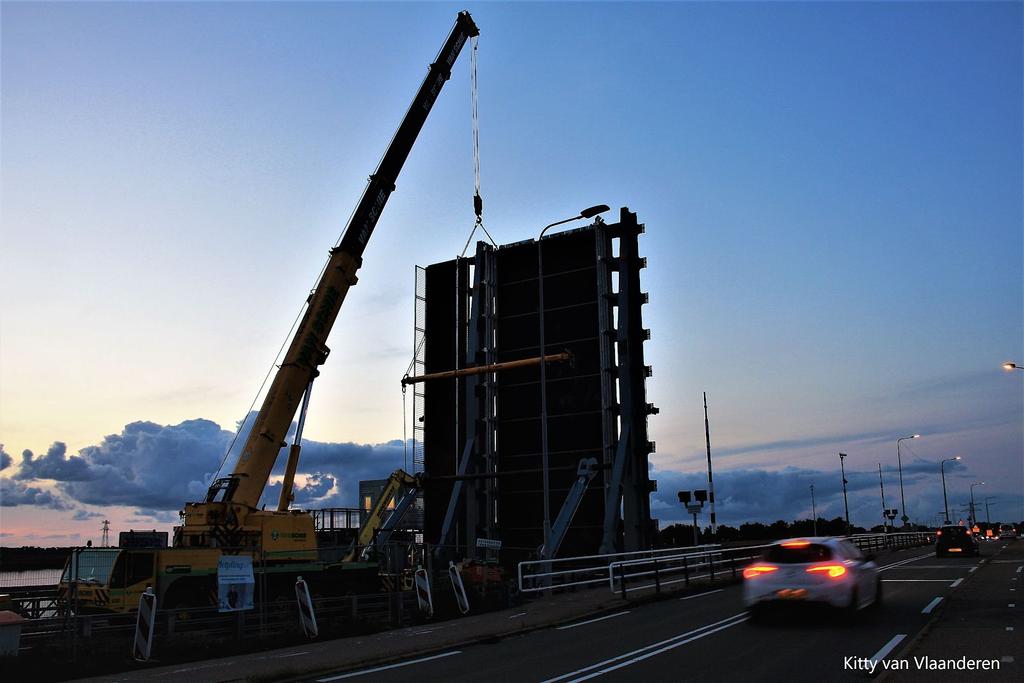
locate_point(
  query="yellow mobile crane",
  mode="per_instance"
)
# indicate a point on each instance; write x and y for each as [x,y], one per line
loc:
[228,520]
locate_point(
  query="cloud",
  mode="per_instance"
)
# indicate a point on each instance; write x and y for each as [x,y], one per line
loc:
[14,493]
[54,465]
[5,458]
[757,495]
[158,468]
[82,515]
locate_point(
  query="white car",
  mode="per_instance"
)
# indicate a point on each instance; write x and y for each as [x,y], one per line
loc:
[816,570]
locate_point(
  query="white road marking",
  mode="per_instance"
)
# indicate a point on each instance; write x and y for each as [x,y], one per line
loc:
[972,570]
[902,562]
[642,657]
[950,567]
[888,647]
[918,580]
[700,595]
[1019,568]
[956,583]
[591,621]
[733,620]
[517,615]
[389,666]
[290,654]
[1007,660]
[931,605]
[1012,605]
[1009,628]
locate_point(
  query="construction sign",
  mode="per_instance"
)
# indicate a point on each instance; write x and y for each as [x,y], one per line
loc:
[144,622]
[423,597]
[458,588]
[306,615]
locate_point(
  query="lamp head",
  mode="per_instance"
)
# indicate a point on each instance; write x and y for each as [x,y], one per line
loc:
[1009,366]
[592,211]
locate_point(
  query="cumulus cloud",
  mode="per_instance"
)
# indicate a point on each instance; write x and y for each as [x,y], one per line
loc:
[14,493]
[5,458]
[54,465]
[82,515]
[158,468]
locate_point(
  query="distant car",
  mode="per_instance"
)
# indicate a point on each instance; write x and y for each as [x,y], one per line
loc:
[1007,531]
[829,571]
[955,540]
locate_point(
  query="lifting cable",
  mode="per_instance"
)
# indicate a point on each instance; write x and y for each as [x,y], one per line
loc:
[478,202]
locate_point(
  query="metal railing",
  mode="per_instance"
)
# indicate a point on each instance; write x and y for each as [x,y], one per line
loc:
[724,563]
[585,570]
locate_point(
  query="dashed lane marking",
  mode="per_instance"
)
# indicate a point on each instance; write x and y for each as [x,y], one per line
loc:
[888,647]
[956,583]
[517,615]
[389,666]
[700,595]
[931,605]
[591,621]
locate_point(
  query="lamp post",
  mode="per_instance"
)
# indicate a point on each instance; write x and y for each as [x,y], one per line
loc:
[846,504]
[899,464]
[881,487]
[974,519]
[814,511]
[589,212]
[942,471]
[988,519]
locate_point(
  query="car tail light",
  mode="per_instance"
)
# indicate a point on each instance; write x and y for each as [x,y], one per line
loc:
[968,532]
[833,570]
[795,544]
[754,571]
[938,533]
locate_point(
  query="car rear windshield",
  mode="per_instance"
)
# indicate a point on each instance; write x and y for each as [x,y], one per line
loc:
[798,554]
[954,531]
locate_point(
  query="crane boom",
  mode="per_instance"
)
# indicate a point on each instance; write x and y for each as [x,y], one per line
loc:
[308,349]
[228,517]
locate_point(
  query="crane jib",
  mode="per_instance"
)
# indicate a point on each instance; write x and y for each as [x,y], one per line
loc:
[308,348]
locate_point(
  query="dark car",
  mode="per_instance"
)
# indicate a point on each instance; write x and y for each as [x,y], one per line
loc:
[955,540]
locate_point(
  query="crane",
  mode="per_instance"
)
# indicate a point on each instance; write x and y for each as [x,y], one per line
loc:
[229,517]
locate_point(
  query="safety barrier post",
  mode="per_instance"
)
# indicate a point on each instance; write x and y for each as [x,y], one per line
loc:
[711,566]
[657,579]
[686,572]
[622,580]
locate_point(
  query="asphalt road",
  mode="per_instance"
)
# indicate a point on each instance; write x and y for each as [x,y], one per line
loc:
[706,636]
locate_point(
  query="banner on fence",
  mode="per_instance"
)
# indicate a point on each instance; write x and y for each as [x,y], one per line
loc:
[460,590]
[423,597]
[235,582]
[144,622]
[307,618]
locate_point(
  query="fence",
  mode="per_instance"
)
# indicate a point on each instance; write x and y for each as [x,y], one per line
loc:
[586,570]
[724,563]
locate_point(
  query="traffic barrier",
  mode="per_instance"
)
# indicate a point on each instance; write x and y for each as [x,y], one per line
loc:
[307,618]
[423,597]
[142,647]
[458,588]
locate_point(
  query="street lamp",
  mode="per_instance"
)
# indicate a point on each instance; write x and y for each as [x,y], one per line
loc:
[846,504]
[974,520]
[1012,366]
[589,212]
[899,464]
[814,511]
[945,502]
[988,519]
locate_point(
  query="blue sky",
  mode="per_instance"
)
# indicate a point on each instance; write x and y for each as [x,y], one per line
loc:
[832,194]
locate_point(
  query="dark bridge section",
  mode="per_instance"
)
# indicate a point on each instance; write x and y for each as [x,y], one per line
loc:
[484,310]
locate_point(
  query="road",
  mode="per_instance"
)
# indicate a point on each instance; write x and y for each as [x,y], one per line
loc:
[706,635]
